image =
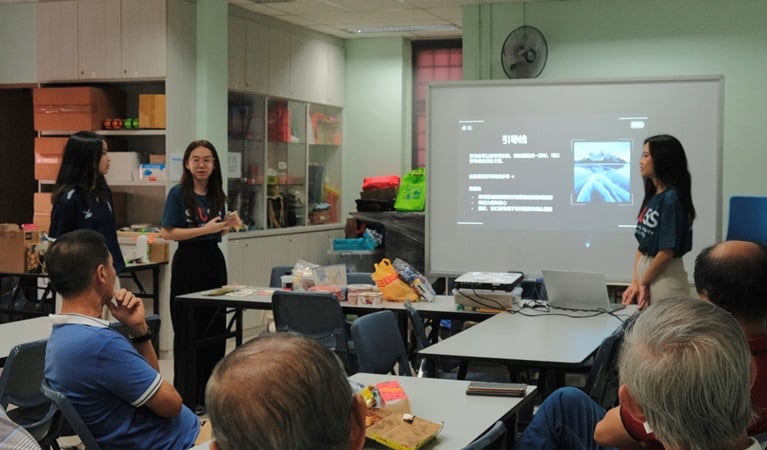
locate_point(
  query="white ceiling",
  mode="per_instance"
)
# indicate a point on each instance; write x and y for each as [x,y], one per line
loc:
[336,16]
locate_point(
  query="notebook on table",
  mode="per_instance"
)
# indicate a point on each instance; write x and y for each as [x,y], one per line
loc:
[578,290]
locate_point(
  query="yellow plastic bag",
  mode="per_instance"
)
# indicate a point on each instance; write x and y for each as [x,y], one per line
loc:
[391,287]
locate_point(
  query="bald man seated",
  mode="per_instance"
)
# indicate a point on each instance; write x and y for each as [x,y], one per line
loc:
[283,391]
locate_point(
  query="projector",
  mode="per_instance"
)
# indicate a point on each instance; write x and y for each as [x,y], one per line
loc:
[488,281]
[482,298]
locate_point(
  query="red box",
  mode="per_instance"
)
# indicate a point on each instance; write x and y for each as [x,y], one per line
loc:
[75,108]
[48,154]
[278,122]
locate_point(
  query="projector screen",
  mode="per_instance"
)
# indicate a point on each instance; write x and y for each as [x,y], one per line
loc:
[527,175]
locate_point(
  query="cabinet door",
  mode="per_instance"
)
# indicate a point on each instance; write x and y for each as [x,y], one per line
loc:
[303,71]
[57,40]
[237,37]
[257,59]
[98,40]
[336,75]
[144,46]
[279,62]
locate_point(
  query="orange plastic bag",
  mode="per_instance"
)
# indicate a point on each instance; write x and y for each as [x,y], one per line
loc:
[391,287]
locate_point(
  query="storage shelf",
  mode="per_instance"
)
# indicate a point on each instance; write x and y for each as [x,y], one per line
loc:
[120,132]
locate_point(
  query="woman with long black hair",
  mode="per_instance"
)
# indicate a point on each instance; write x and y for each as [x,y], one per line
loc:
[664,225]
[81,197]
[195,216]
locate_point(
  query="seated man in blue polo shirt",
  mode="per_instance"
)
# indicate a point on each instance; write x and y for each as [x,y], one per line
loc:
[114,384]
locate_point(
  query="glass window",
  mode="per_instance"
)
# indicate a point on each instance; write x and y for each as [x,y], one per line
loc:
[432,61]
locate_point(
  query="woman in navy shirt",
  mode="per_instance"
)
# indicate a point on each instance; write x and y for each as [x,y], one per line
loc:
[664,225]
[195,216]
[81,197]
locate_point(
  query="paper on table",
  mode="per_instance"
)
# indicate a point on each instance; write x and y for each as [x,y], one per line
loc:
[393,432]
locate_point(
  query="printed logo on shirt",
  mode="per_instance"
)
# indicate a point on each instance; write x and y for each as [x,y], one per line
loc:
[87,214]
[648,221]
[202,215]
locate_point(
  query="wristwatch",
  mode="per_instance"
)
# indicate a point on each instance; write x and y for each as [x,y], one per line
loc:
[142,338]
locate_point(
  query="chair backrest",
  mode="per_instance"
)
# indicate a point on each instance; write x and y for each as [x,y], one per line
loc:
[378,343]
[359,278]
[748,219]
[71,415]
[421,339]
[603,381]
[317,315]
[494,438]
[152,321]
[277,272]
[20,387]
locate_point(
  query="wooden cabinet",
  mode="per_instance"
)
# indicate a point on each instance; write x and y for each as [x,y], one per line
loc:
[101,40]
[144,33]
[57,40]
[98,58]
[277,60]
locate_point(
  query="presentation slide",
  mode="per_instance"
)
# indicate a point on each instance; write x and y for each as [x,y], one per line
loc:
[531,176]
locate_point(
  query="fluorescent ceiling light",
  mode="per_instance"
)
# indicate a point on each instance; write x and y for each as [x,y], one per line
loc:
[402,28]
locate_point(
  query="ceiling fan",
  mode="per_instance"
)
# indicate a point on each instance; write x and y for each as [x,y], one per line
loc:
[524,53]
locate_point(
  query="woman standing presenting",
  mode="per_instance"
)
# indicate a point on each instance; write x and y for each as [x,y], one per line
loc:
[81,197]
[195,216]
[664,226]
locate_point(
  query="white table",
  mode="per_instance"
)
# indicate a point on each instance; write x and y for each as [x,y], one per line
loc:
[22,331]
[537,339]
[465,417]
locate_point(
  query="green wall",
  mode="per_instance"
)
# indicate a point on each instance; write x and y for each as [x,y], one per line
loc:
[376,114]
[622,38]
[18,43]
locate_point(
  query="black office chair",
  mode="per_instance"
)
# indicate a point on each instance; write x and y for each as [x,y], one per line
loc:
[317,315]
[71,415]
[275,278]
[492,439]
[378,344]
[603,382]
[359,278]
[152,321]
[421,338]
[748,219]
[20,387]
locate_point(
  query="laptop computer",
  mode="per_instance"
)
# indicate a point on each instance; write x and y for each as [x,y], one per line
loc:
[585,291]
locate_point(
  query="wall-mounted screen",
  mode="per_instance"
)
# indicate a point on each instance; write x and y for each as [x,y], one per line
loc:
[527,175]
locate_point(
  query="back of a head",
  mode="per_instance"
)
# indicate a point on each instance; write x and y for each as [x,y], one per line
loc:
[733,275]
[71,260]
[687,364]
[281,391]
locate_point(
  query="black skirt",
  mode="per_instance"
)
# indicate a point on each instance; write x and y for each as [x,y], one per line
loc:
[197,265]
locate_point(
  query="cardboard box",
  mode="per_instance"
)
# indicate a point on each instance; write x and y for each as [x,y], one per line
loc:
[42,222]
[48,154]
[14,246]
[151,111]
[152,172]
[42,202]
[75,108]
[42,211]
[159,252]
[156,159]
[123,166]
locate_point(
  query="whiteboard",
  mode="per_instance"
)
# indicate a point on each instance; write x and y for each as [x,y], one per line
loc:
[506,190]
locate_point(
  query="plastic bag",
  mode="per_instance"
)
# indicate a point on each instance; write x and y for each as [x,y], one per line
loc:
[390,285]
[412,191]
[380,182]
[415,280]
